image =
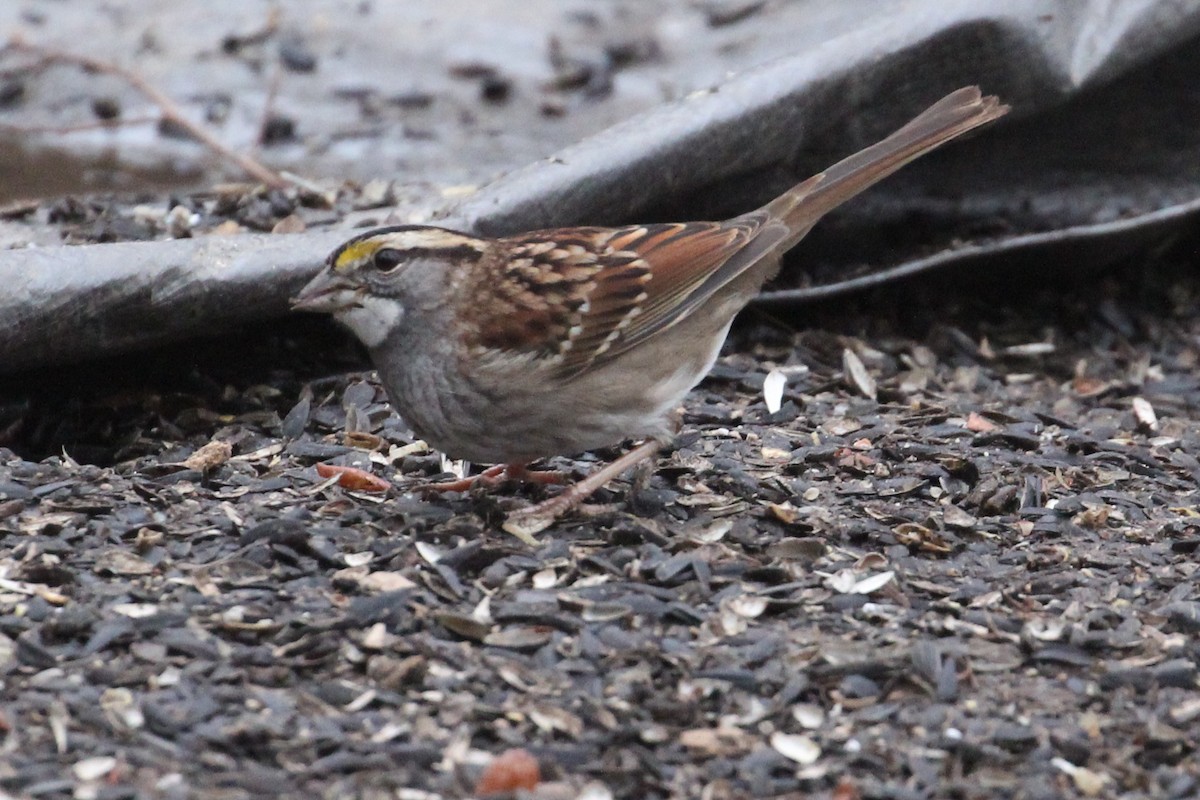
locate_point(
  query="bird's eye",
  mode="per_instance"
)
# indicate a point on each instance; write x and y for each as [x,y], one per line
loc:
[387,259]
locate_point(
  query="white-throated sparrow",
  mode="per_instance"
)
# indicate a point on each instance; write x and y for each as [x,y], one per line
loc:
[553,342]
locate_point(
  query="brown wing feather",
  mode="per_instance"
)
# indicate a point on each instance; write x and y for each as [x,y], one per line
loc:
[581,296]
[524,296]
[682,258]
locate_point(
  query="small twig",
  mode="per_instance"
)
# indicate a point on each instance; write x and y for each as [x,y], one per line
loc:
[304,183]
[234,43]
[22,70]
[167,107]
[81,126]
[269,105]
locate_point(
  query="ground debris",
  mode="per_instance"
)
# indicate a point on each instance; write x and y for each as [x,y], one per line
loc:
[965,582]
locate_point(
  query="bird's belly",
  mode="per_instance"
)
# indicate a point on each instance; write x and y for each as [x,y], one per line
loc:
[520,430]
[601,410]
[505,420]
[515,423]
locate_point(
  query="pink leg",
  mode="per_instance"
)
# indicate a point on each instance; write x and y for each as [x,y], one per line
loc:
[543,477]
[493,474]
[525,522]
[497,474]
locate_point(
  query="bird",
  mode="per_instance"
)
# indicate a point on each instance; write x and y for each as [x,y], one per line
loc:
[554,342]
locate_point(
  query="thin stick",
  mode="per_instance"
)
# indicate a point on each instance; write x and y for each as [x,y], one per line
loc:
[127,122]
[169,109]
[268,106]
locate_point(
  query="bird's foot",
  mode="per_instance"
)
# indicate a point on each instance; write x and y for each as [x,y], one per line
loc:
[525,522]
[498,474]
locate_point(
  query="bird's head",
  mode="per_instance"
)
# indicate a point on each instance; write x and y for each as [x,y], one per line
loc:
[371,282]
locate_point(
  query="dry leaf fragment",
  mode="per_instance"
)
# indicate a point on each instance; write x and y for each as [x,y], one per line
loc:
[226,228]
[290,224]
[463,625]
[797,549]
[1093,517]
[364,440]
[846,789]
[910,534]
[1085,386]
[723,741]
[550,718]
[353,478]
[841,426]
[955,517]
[519,637]
[210,456]
[383,582]
[785,512]
[979,424]
[855,460]
[1089,782]
[377,637]
[121,562]
[870,561]
[508,772]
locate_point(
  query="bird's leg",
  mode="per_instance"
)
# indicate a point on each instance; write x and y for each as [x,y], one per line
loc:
[489,476]
[499,473]
[525,522]
[643,472]
[521,473]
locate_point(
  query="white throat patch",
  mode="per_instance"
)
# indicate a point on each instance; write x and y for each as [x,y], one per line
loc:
[373,320]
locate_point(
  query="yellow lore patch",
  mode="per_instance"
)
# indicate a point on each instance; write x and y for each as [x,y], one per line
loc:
[355,253]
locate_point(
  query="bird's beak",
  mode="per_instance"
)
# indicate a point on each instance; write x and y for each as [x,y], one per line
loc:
[326,294]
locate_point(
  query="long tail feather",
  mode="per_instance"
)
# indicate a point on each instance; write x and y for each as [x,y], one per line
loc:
[953,115]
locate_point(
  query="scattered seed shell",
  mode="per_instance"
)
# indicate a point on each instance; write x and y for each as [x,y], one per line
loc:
[773,386]
[857,376]
[801,749]
[1143,412]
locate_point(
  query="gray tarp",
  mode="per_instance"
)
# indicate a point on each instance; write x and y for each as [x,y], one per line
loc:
[1098,159]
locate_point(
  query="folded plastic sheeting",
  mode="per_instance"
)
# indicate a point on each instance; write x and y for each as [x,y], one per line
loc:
[1097,160]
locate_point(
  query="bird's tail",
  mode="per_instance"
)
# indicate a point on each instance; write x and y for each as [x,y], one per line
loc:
[953,115]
